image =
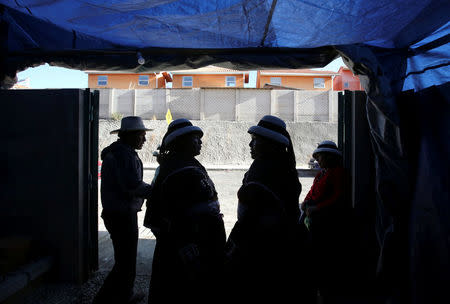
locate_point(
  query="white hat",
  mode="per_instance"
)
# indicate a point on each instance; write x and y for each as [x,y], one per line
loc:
[180,127]
[273,128]
[131,123]
[327,146]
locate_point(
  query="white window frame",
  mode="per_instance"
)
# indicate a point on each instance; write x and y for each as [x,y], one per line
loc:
[319,83]
[230,81]
[188,81]
[275,81]
[143,80]
[102,82]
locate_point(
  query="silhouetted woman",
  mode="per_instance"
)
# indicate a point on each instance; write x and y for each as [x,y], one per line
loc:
[263,251]
[328,211]
[184,214]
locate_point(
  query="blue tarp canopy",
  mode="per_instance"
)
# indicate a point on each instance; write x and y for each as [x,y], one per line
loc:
[222,24]
[400,49]
[181,34]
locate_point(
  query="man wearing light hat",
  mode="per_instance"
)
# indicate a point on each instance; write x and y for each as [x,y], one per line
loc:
[122,194]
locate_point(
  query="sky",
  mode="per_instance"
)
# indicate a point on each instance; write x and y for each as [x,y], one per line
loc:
[50,77]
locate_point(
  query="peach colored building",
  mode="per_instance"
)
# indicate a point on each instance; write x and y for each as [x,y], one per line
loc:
[121,80]
[346,81]
[303,79]
[209,77]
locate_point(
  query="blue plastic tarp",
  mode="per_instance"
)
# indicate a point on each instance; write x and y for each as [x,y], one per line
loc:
[37,31]
[398,47]
[240,24]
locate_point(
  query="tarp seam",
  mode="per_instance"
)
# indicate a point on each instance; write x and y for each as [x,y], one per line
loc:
[431,45]
[426,69]
[269,20]
[21,6]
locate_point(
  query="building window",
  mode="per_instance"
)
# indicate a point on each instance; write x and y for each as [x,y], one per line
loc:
[346,85]
[275,81]
[187,81]
[143,80]
[102,80]
[319,83]
[230,81]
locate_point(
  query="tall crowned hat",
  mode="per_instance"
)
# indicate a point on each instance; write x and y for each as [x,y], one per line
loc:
[272,128]
[327,146]
[180,127]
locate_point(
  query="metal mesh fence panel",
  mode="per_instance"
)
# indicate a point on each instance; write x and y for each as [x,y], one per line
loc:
[185,103]
[124,102]
[253,104]
[312,106]
[219,104]
[283,104]
[151,104]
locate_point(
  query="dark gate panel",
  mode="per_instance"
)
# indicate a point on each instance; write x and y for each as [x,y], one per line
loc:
[91,166]
[49,193]
[354,141]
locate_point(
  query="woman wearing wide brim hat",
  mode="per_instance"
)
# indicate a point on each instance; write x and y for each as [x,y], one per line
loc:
[327,208]
[332,173]
[268,210]
[184,214]
[327,147]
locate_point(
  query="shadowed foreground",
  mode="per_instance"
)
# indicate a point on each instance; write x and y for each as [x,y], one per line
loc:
[227,183]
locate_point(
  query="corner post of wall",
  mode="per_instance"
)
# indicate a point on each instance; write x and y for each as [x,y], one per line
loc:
[296,103]
[167,99]
[237,103]
[202,104]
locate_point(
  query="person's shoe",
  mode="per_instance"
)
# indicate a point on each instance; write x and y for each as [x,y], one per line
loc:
[136,297]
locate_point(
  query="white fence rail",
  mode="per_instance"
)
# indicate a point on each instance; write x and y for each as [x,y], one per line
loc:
[221,104]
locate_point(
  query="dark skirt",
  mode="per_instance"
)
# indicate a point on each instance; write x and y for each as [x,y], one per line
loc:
[197,278]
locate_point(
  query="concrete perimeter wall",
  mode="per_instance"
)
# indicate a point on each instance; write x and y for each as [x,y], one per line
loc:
[221,104]
[226,142]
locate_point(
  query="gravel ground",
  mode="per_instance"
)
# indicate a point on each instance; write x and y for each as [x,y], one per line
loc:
[227,183]
[226,142]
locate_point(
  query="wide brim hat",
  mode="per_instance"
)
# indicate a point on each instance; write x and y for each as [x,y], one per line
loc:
[272,128]
[327,146]
[178,128]
[131,123]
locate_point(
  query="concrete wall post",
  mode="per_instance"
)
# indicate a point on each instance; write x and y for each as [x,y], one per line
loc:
[134,102]
[167,99]
[202,104]
[112,104]
[273,105]
[237,102]
[296,103]
[332,106]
